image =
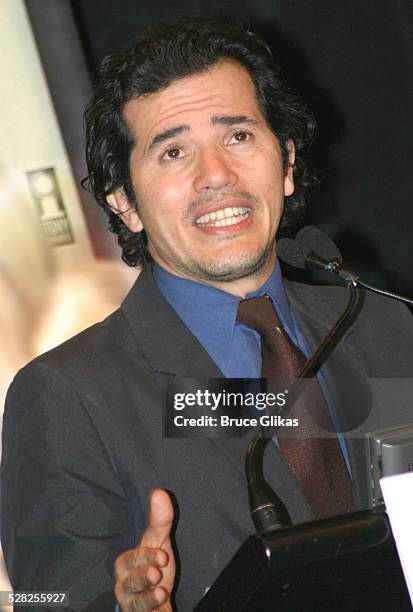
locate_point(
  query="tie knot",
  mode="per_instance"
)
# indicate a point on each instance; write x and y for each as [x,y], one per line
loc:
[259,314]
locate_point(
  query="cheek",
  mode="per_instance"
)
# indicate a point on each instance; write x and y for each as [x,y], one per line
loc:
[169,192]
[157,202]
[162,218]
[263,171]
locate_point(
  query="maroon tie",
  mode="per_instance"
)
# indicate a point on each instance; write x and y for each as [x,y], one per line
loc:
[317,462]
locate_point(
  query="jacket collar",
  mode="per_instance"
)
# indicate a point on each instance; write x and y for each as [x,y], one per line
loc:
[166,342]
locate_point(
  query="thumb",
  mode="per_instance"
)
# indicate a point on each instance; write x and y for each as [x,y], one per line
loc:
[161,515]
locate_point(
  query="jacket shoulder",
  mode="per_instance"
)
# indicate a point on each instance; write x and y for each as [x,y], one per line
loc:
[382,331]
[92,355]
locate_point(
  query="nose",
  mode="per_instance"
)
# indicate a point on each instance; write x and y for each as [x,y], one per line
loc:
[214,171]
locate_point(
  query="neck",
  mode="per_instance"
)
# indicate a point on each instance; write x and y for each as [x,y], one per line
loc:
[239,287]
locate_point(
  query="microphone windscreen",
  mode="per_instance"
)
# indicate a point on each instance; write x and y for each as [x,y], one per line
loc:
[319,243]
[292,252]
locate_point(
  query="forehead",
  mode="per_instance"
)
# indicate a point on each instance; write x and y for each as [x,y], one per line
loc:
[225,88]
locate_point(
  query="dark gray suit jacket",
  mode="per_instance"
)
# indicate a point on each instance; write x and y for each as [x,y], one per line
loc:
[83,447]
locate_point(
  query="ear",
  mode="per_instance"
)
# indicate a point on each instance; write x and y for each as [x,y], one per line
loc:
[289,175]
[121,206]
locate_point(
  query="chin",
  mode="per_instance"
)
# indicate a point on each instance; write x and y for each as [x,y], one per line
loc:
[235,268]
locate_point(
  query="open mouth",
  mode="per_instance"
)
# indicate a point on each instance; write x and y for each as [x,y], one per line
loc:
[223,217]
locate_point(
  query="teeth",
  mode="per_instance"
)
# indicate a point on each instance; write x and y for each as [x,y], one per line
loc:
[224,216]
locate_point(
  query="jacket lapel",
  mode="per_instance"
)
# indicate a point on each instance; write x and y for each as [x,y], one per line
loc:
[167,343]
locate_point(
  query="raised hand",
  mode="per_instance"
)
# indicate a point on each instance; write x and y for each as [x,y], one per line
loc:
[145,574]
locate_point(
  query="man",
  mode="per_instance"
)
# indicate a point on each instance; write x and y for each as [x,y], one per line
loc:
[193,149]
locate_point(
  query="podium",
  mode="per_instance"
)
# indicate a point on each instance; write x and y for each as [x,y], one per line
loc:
[345,564]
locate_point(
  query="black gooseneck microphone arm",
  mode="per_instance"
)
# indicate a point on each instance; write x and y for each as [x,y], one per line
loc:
[312,248]
[313,261]
[267,510]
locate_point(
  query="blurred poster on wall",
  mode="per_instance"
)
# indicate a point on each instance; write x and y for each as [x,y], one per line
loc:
[51,284]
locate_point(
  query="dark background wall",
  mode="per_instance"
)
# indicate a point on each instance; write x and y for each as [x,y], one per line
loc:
[353,61]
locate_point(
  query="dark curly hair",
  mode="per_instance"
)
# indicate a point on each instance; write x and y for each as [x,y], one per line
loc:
[170,52]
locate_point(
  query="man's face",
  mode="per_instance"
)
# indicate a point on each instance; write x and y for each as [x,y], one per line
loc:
[208,178]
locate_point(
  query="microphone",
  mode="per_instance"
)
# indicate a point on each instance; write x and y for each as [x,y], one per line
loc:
[319,243]
[299,255]
[314,249]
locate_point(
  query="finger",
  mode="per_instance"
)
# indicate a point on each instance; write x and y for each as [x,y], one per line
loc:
[145,601]
[141,556]
[140,580]
[155,598]
[161,515]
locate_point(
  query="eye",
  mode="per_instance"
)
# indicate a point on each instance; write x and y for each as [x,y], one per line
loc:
[172,153]
[240,136]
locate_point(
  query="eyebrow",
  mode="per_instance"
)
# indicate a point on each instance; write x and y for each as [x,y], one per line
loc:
[232,120]
[215,120]
[166,134]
